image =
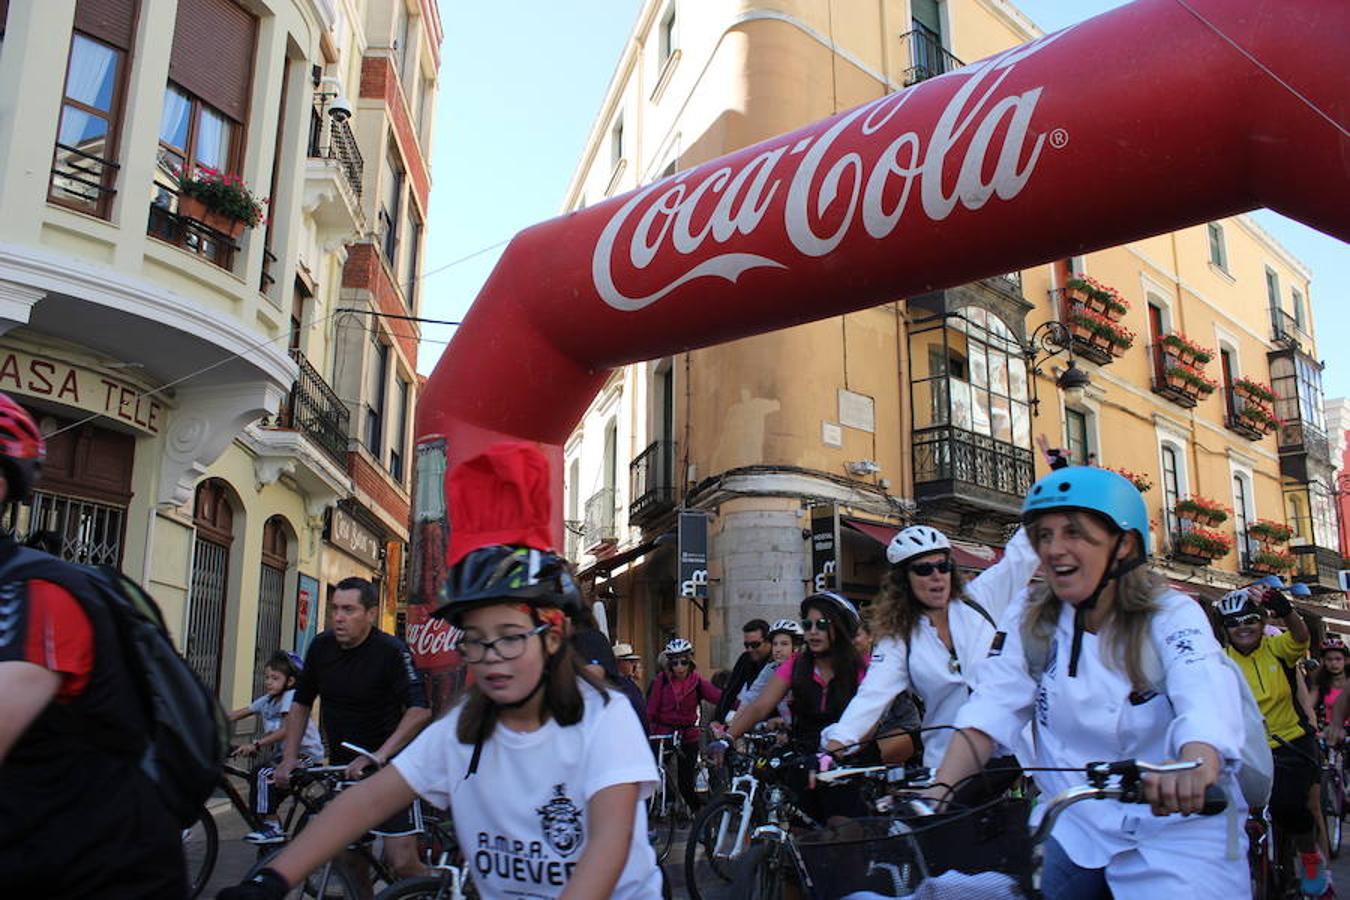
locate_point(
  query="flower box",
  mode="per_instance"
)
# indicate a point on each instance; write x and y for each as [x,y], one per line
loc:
[1118,349]
[1270,562]
[1249,389]
[1203,542]
[1176,377]
[221,202]
[1268,531]
[1140,481]
[1201,511]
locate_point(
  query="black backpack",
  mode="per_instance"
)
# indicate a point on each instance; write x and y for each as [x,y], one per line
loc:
[186,746]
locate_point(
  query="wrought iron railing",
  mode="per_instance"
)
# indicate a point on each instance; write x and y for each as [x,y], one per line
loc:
[650,483]
[266,279]
[338,144]
[193,236]
[599,528]
[927,57]
[1248,426]
[1176,388]
[954,454]
[315,409]
[82,179]
[1285,329]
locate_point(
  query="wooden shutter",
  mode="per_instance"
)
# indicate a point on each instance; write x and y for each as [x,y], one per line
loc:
[212,55]
[111,21]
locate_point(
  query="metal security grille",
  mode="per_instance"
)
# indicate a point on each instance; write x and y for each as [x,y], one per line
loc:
[271,587]
[78,530]
[206,610]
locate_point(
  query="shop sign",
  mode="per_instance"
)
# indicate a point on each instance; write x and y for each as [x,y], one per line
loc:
[349,535]
[693,533]
[824,548]
[33,375]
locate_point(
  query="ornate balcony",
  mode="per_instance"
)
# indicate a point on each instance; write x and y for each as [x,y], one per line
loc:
[927,57]
[315,409]
[651,484]
[970,473]
[333,176]
[599,528]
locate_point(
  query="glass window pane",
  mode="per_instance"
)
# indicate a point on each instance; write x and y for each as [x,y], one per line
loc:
[961,413]
[998,371]
[213,140]
[975,315]
[998,328]
[979,368]
[979,410]
[1017,378]
[1021,418]
[174,121]
[930,403]
[91,77]
[82,130]
[1000,418]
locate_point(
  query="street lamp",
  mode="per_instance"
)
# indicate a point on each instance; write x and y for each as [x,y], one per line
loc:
[1050,339]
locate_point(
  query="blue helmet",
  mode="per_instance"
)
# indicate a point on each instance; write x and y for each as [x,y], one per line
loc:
[1299,589]
[1095,490]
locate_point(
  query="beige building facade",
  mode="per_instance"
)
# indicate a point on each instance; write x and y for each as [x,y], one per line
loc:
[806,448]
[215,426]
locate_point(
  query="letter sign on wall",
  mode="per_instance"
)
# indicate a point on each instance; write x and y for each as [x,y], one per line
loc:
[350,536]
[693,554]
[824,548]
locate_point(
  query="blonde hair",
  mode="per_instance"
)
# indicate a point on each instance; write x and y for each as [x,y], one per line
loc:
[1125,631]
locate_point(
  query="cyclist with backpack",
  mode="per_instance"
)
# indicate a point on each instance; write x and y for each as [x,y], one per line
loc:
[543,771]
[78,815]
[932,629]
[1268,663]
[1106,661]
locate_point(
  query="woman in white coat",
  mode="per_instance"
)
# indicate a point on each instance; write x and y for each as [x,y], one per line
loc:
[1107,662]
[930,631]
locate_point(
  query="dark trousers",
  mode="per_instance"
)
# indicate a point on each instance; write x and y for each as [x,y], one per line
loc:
[686,768]
[1296,771]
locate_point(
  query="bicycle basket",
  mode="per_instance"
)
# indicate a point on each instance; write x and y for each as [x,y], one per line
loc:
[992,837]
[876,857]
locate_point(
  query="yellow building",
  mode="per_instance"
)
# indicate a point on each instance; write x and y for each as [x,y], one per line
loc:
[808,447]
[219,426]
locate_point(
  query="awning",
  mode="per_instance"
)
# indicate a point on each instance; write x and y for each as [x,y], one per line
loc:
[607,565]
[967,555]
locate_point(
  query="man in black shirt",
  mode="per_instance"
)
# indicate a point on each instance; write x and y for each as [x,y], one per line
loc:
[372,697]
[746,670]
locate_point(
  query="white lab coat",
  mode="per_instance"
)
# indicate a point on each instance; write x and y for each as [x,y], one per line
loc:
[942,690]
[1091,717]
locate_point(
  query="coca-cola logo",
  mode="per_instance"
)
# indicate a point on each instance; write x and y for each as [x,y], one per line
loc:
[873,183]
[433,637]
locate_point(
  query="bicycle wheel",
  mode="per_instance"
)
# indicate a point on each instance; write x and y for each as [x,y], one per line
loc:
[759,875]
[1333,811]
[331,881]
[703,852]
[426,887]
[201,846]
[661,820]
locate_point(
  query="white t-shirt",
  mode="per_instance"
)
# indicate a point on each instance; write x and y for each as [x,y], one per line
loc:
[521,818]
[272,711]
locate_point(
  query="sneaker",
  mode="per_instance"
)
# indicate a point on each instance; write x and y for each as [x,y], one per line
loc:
[1316,880]
[270,834]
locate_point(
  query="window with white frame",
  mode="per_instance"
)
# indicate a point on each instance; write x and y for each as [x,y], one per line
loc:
[1076,436]
[1272,288]
[1244,511]
[1299,312]
[616,143]
[1218,251]
[1173,465]
[666,36]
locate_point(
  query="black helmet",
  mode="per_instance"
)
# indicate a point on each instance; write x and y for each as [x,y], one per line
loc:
[501,573]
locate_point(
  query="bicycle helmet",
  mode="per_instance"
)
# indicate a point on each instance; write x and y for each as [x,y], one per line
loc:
[1095,490]
[786,626]
[838,604]
[1237,603]
[678,647]
[1299,589]
[1333,642]
[916,540]
[501,573]
[22,448]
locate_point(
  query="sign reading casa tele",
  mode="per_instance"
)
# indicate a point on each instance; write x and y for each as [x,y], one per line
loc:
[30,374]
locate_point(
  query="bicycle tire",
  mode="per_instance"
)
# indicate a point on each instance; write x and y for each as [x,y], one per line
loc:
[1333,812]
[661,823]
[331,881]
[423,887]
[759,875]
[702,835]
[201,848]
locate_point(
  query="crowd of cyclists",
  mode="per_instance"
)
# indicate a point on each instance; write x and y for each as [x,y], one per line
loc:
[1070,649]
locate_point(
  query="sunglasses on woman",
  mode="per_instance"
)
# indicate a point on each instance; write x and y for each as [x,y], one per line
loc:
[1239,621]
[682,661]
[922,569]
[821,624]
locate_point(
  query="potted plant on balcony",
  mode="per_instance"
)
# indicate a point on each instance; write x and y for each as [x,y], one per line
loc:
[1250,389]
[221,202]
[1116,306]
[1177,377]
[1082,323]
[1204,543]
[1177,345]
[1141,482]
[1122,340]
[1268,531]
[1270,562]
[1201,511]
[1201,386]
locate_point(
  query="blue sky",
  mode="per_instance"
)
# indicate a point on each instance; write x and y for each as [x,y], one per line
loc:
[521,81]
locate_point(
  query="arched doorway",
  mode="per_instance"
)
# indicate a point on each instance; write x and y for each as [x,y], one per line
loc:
[213,517]
[276,546]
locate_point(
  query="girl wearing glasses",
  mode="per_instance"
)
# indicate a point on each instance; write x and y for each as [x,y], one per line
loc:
[931,629]
[543,771]
[818,682]
[673,708]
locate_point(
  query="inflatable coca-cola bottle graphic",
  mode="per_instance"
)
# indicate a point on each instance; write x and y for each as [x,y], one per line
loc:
[431,640]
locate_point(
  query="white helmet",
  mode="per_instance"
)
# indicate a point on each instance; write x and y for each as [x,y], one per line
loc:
[916,540]
[678,646]
[1236,603]
[786,626]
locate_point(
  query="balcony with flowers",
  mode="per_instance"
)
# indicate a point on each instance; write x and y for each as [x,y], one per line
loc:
[1179,369]
[1262,554]
[205,212]
[1200,546]
[1251,409]
[1141,482]
[1094,314]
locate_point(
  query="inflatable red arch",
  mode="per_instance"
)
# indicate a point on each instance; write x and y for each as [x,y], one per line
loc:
[1157,115]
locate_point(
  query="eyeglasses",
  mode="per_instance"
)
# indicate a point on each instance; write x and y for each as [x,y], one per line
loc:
[681,662]
[753,645]
[508,646]
[821,624]
[922,569]
[1239,621]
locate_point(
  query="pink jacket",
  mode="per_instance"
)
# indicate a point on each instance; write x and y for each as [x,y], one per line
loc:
[673,705]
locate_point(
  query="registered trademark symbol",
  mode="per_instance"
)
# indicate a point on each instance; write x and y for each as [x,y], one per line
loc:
[1059,138]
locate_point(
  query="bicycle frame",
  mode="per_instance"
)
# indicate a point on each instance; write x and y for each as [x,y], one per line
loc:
[747,787]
